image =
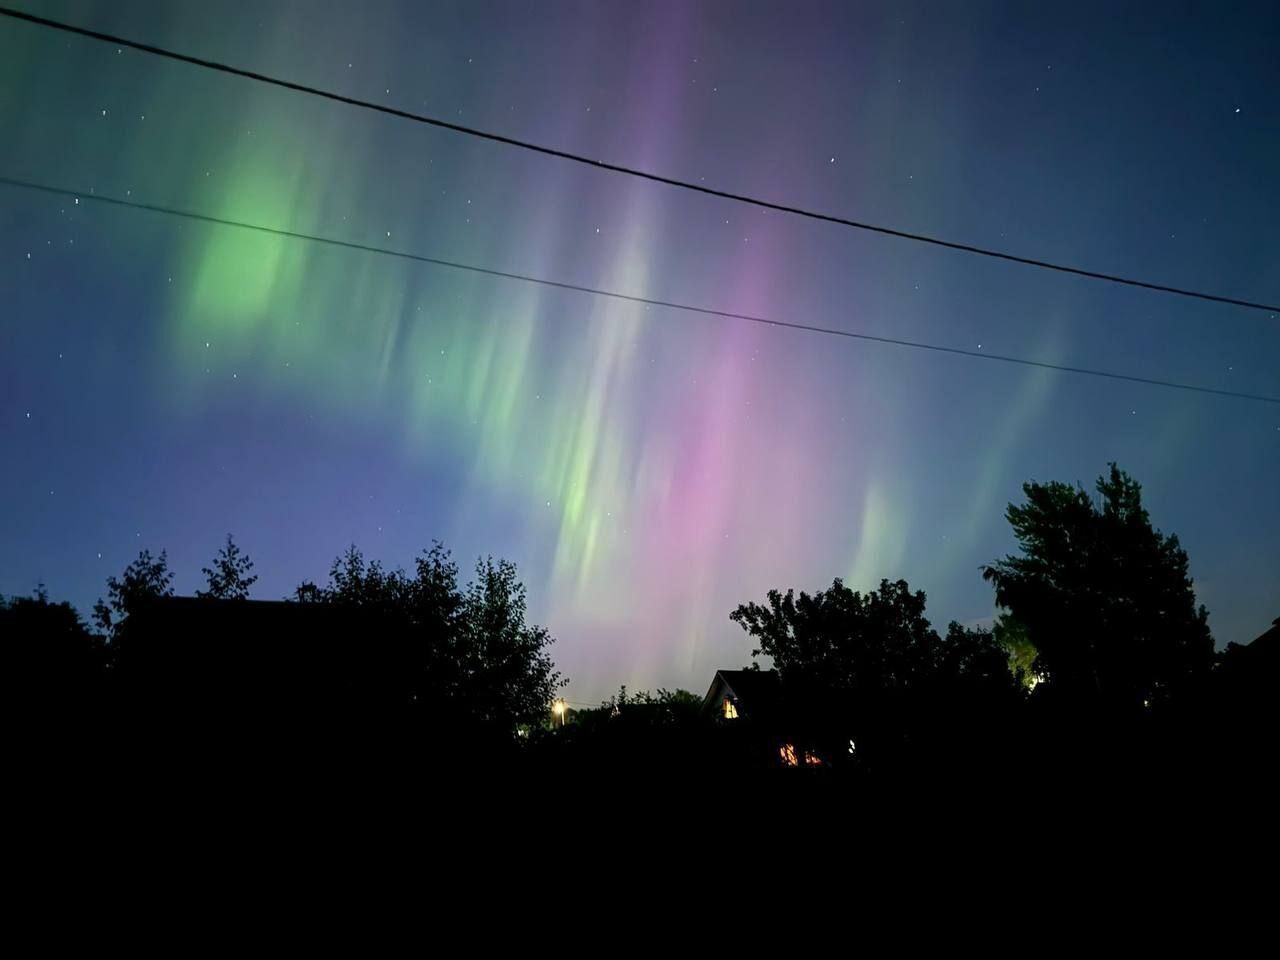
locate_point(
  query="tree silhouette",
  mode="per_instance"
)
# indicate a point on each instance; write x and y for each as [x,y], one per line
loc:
[505,671]
[974,659]
[465,654]
[869,667]
[840,638]
[231,575]
[1105,598]
[1012,637]
[144,578]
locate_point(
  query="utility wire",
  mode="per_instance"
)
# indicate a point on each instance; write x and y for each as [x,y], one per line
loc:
[629,171]
[630,298]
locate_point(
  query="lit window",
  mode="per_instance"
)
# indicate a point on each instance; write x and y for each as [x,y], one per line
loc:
[730,709]
[791,757]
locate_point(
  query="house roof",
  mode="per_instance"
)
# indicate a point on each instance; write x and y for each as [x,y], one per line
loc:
[1253,664]
[199,649]
[757,692]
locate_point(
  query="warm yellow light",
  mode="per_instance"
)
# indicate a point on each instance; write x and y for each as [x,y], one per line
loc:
[730,709]
[792,757]
[558,707]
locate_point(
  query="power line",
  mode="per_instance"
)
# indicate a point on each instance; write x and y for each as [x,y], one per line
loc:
[629,171]
[630,298]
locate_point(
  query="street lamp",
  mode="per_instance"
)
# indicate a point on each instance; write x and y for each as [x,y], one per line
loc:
[559,707]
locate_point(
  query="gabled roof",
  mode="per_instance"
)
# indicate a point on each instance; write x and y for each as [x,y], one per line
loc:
[1252,664]
[1272,635]
[757,692]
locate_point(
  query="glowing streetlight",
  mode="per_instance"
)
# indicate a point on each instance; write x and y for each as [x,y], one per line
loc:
[559,708]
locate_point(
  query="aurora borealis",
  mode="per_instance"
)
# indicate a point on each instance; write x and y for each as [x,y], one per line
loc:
[163,381]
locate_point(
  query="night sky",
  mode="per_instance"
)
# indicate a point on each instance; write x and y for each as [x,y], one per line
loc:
[164,382]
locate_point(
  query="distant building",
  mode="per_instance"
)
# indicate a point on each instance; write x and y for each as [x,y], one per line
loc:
[737,694]
[1253,667]
[753,698]
[236,667]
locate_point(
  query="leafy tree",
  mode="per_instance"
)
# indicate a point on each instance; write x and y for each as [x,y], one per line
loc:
[869,667]
[356,582]
[466,654]
[231,575]
[663,708]
[505,671]
[1022,653]
[308,592]
[975,659]
[1105,598]
[842,639]
[143,579]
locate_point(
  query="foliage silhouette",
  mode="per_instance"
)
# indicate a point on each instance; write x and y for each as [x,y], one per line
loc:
[462,654]
[231,575]
[1105,598]
[864,675]
[144,578]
